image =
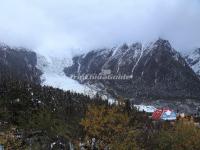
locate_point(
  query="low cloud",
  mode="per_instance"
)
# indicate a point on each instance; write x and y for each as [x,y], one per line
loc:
[72,26]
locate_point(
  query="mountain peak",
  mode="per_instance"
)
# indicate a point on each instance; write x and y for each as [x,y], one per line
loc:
[124,46]
[3,46]
[162,43]
[136,45]
[197,51]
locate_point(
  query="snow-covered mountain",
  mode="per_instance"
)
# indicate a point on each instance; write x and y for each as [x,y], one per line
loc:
[193,59]
[158,71]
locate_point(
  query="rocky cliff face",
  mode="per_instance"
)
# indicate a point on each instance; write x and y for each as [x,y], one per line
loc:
[19,63]
[159,72]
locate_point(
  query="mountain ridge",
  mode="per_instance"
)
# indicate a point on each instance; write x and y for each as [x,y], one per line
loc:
[158,70]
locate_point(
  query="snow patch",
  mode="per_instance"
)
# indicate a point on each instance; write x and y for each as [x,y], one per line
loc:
[141,54]
[145,108]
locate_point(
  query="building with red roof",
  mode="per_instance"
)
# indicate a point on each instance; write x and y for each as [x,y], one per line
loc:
[164,114]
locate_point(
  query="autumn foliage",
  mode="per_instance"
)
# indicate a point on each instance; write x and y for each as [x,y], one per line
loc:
[110,125]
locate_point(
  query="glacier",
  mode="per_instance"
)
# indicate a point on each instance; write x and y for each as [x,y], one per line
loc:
[53,75]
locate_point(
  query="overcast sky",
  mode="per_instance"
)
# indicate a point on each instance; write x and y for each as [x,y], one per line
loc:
[73,26]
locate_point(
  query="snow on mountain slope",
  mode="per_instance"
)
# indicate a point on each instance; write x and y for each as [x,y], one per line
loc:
[193,60]
[54,76]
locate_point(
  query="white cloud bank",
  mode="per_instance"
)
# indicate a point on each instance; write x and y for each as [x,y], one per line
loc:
[73,26]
